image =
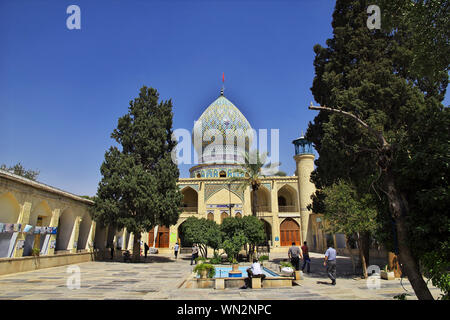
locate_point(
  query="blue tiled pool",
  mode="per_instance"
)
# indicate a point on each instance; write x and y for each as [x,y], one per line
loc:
[222,272]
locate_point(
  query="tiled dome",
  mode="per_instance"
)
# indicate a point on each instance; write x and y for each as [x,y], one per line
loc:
[222,115]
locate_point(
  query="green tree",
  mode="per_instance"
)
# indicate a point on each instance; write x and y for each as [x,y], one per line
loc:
[250,227]
[19,170]
[138,189]
[253,229]
[350,213]
[205,233]
[234,244]
[374,79]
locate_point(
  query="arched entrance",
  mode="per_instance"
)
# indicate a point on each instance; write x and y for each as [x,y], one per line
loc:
[40,216]
[287,202]
[65,230]
[183,242]
[268,232]
[190,200]
[289,232]
[210,216]
[84,230]
[162,238]
[223,215]
[9,213]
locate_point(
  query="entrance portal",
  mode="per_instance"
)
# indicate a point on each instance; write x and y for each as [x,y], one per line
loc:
[162,239]
[289,232]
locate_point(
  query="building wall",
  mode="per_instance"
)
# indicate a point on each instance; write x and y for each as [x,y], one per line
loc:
[23,201]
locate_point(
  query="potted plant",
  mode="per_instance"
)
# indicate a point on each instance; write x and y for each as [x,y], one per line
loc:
[205,270]
[286,268]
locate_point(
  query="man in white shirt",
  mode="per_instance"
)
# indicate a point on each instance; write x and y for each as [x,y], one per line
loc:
[330,263]
[254,271]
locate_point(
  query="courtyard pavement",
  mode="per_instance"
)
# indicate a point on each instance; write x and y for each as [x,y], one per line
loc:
[162,277]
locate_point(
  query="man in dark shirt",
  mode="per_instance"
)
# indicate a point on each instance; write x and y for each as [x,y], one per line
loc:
[306,259]
[295,254]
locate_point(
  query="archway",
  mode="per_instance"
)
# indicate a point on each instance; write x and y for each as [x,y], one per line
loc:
[287,199]
[9,213]
[40,216]
[238,215]
[223,215]
[162,238]
[65,229]
[83,233]
[262,199]
[210,216]
[289,232]
[183,242]
[268,232]
[100,237]
[190,200]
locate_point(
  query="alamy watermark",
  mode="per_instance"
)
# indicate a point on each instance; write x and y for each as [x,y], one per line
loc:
[74,279]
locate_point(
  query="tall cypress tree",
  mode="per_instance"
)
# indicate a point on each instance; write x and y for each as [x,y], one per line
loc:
[376,76]
[138,189]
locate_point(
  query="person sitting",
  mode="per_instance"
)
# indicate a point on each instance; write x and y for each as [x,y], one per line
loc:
[254,271]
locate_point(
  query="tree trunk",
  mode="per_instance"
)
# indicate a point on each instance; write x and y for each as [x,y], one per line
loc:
[361,255]
[136,247]
[365,242]
[398,208]
[254,202]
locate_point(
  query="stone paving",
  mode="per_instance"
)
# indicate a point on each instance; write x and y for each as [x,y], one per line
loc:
[162,277]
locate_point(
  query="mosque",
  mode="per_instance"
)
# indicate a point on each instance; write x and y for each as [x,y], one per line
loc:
[281,200]
[57,224]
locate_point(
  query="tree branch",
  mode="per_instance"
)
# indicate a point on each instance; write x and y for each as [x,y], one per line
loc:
[378,135]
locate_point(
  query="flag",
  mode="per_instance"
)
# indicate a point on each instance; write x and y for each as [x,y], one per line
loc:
[223,77]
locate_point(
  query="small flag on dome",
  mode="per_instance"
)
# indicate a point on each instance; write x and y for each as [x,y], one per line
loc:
[223,77]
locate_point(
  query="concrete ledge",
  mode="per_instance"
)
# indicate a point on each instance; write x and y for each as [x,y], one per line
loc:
[268,282]
[24,264]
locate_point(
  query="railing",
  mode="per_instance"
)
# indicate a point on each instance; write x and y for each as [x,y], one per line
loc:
[190,209]
[262,209]
[286,209]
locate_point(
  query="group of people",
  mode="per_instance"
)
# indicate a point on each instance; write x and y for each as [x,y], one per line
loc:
[295,254]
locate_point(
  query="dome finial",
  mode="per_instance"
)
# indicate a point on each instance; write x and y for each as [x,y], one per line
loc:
[223,82]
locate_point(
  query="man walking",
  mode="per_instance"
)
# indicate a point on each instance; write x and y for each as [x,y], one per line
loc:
[330,263]
[194,253]
[306,259]
[175,249]
[295,254]
[146,247]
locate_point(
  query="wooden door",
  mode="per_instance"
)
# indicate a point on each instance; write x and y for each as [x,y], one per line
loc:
[289,232]
[162,239]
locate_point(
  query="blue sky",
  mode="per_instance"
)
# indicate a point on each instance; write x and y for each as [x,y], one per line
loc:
[62,91]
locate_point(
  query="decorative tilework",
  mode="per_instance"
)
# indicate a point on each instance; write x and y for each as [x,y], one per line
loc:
[193,186]
[211,189]
[222,115]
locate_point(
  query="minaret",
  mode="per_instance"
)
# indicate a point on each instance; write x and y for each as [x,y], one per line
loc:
[304,159]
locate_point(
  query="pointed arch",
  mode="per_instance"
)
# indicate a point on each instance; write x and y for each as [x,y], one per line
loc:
[263,199]
[190,199]
[287,199]
[9,213]
[289,232]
